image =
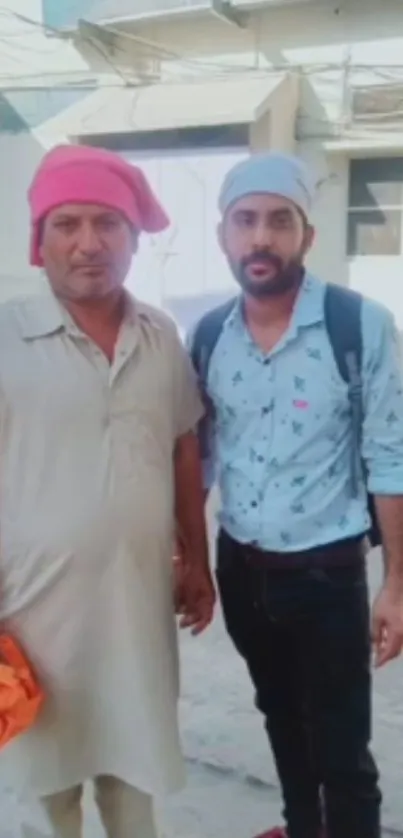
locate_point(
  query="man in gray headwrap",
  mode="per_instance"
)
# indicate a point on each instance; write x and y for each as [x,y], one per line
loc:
[261,270]
[282,441]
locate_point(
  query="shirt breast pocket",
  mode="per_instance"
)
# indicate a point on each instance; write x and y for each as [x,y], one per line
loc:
[143,407]
[317,421]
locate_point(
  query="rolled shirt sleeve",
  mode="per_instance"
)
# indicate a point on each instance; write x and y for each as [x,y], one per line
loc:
[382,439]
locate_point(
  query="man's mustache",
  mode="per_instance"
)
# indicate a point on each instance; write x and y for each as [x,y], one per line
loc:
[265,257]
[91,263]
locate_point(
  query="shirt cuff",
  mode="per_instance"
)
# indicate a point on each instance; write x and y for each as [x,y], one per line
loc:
[208,474]
[191,421]
[388,483]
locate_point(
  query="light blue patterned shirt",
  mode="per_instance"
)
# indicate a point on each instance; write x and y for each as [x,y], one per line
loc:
[281,441]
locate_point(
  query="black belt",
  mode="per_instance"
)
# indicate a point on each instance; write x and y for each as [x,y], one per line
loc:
[349,551]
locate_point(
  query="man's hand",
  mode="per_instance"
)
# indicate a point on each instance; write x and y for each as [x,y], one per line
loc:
[194,595]
[387,624]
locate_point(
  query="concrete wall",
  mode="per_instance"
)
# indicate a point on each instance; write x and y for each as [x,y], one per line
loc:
[19,154]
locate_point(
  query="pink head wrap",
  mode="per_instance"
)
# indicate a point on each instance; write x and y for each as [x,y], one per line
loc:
[81,175]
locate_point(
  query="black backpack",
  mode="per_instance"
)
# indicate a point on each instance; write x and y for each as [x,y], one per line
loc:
[343,324]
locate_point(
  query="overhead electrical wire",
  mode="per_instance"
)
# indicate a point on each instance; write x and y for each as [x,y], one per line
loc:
[160,50]
[193,69]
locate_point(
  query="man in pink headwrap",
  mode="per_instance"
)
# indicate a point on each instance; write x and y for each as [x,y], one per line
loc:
[99,461]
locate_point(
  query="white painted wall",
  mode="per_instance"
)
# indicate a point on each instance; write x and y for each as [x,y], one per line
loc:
[18,157]
[185,265]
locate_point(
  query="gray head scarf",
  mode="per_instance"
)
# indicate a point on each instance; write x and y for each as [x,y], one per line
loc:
[271,173]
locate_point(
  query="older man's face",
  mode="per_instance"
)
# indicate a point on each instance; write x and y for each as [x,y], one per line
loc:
[265,239]
[86,251]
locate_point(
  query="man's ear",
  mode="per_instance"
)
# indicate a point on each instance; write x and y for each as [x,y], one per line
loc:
[40,232]
[309,238]
[40,236]
[220,235]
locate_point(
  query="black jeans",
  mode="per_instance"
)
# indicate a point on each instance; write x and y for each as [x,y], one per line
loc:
[304,634]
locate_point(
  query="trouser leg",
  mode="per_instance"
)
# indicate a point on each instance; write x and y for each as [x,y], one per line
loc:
[63,811]
[125,812]
[271,649]
[341,660]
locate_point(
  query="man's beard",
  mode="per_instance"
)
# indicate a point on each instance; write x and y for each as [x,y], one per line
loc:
[286,277]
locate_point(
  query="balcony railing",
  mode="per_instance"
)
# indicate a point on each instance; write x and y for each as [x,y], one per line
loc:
[380,104]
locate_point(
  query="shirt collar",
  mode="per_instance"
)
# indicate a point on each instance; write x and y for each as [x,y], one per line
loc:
[43,315]
[40,316]
[308,308]
[309,305]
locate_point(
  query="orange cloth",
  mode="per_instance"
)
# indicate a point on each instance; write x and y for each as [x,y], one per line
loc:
[20,695]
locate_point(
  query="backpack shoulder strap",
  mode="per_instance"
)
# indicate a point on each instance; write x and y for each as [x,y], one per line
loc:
[343,324]
[202,344]
[206,335]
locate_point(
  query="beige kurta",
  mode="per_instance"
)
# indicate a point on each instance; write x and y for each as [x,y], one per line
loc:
[86,519]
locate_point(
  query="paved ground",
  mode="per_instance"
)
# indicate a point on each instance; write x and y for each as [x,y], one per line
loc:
[232,790]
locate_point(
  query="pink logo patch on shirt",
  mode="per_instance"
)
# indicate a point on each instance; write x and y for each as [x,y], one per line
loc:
[301,404]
